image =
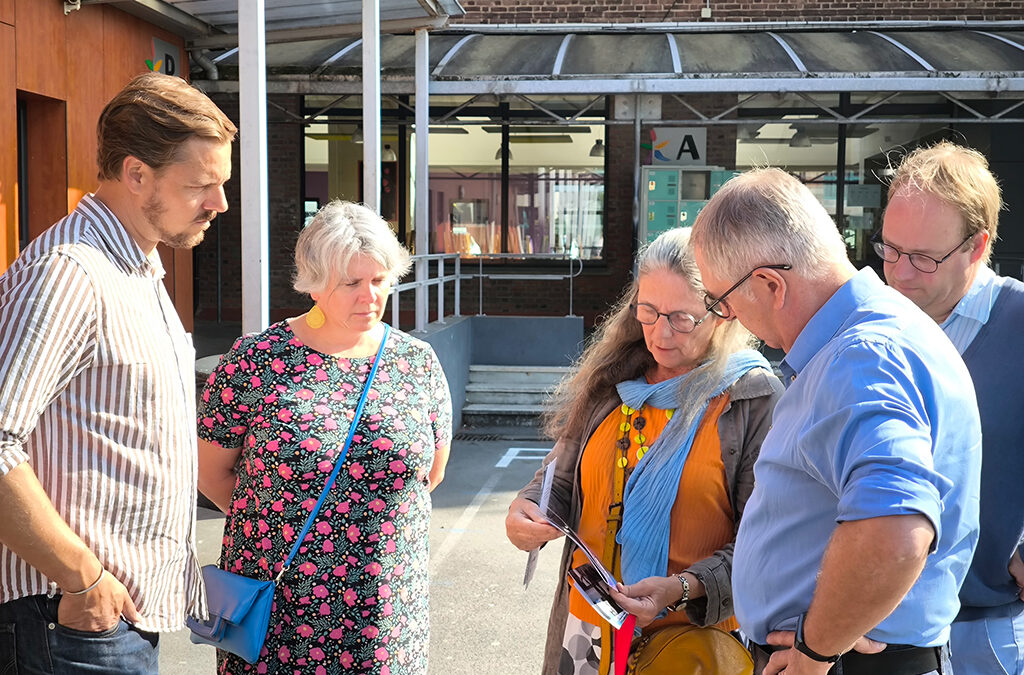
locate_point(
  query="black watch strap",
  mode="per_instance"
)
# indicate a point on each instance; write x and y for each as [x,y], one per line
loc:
[798,643]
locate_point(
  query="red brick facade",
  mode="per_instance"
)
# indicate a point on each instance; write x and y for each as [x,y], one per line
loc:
[614,11]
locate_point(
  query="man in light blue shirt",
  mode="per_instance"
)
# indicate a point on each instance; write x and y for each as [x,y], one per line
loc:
[864,513]
[944,198]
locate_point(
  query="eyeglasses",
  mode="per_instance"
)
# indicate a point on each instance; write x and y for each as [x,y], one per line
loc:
[719,307]
[920,261]
[680,322]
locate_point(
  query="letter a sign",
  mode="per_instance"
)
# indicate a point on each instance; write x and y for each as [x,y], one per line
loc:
[678,146]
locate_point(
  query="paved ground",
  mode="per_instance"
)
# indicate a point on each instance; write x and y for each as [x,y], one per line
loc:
[482,620]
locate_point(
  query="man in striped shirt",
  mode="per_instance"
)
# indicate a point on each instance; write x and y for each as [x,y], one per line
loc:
[936,240]
[97,398]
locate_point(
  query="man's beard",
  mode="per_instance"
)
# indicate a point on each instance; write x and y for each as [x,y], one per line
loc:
[154,209]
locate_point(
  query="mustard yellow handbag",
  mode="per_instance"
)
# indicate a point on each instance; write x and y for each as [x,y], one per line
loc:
[689,650]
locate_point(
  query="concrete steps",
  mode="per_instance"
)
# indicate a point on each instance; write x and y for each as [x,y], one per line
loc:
[508,396]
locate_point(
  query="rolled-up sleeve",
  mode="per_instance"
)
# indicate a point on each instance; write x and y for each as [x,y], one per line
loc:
[47,336]
[884,461]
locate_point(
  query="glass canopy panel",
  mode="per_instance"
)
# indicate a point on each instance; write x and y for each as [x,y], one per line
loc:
[731,53]
[298,57]
[963,50]
[618,54]
[503,56]
[857,52]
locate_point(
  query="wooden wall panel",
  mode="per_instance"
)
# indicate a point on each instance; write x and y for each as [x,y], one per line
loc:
[7,15]
[40,48]
[86,96]
[9,143]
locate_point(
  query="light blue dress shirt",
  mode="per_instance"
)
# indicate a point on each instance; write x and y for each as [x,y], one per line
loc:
[971,313]
[879,418]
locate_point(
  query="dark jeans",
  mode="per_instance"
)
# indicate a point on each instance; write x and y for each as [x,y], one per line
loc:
[32,643]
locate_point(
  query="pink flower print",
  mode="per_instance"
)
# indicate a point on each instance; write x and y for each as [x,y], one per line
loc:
[270,399]
[324,466]
[307,568]
[288,531]
[384,670]
[370,631]
[384,444]
[304,630]
[283,654]
[262,526]
[336,634]
[356,470]
[387,527]
[247,528]
[340,571]
[266,481]
[316,654]
[397,466]
[321,409]
[386,609]
[207,421]
[320,670]
[381,654]
[285,471]
[399,570]
[304,394]
[384,591]
[320,375]
[265,544]
[263,345]
[258,463]
[330,424]
[373,395]
[398,484]
[403,366]
[377,505]
[324,528]
[389,411]
[353,533]
[284,415]
[373,569]
[343,507]
[310,445]
[349,597]
[314,359]
[347,660]
[325,609]
[227,395]
[390,546]
[399,426]
[230,369]
[254,381]
[277,365]
[320,591]
[261,667]
[273,445]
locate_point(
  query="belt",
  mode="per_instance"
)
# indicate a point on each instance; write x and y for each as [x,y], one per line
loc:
[894,660]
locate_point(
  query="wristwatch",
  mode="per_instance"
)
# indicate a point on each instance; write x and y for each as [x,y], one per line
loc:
[681,605]
[799,645]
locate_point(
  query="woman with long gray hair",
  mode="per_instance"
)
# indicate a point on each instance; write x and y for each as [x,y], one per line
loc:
[657,431]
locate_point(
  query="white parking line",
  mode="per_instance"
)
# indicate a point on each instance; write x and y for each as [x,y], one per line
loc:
[530,454]
[458,529]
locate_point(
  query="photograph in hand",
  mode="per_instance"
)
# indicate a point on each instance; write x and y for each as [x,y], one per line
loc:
[590,584]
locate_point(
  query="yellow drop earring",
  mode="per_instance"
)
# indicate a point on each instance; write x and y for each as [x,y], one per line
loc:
[315,318]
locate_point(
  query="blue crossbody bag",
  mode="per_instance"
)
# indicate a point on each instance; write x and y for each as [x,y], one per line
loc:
[240,606]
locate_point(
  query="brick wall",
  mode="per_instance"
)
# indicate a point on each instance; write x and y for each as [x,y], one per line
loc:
[286,167]
[615,11]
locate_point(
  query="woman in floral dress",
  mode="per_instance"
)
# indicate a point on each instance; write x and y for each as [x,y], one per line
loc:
[273,417]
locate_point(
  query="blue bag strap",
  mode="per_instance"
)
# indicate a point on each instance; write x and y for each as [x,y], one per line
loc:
[341,457]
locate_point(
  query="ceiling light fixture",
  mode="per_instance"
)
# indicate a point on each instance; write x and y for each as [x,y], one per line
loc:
[598,149]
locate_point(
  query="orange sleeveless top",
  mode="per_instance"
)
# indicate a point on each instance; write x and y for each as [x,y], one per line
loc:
[701,521]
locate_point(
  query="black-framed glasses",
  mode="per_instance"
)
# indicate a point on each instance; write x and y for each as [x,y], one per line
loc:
[680,322]
[920,261]
[719,307]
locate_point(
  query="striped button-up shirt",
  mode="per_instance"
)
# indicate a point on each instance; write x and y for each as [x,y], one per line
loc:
[971,313]
[97,394]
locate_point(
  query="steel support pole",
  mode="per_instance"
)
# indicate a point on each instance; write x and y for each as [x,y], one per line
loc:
[422,206]
[252,110]
[371,104]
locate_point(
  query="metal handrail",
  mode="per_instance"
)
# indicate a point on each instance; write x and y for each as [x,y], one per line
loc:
[422,286]
[528,277]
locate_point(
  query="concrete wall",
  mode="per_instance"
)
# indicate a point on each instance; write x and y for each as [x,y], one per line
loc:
[500,340]
[452,342]
[526,340]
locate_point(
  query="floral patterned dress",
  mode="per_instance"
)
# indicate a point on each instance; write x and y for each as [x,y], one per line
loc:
[355,599]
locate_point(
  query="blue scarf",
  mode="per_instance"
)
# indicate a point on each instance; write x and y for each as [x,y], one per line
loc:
[653,486]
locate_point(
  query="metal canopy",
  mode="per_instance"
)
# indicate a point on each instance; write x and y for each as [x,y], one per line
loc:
[214,23]
[658,61]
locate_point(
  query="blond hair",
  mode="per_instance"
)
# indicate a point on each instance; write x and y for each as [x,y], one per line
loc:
[958,176]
